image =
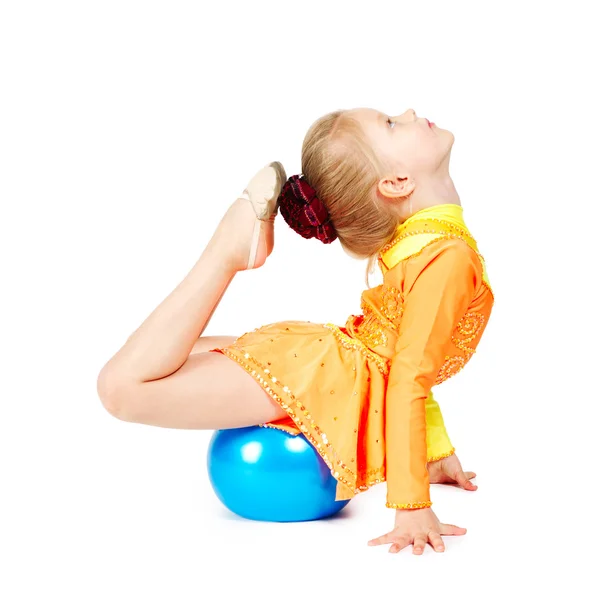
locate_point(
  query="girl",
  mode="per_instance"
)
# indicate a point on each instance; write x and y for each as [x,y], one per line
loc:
[361,394]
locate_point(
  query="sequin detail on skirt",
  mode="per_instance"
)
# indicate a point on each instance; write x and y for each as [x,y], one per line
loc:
[353,482]
[351,343]
[299,414]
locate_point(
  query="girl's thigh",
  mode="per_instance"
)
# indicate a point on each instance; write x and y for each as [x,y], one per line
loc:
[209,391]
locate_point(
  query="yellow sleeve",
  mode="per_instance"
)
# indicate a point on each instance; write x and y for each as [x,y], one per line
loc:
[438,290]
[438,443]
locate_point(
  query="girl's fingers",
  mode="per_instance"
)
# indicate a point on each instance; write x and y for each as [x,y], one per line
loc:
[419,543]
[383,539]
[395,548]
[400,543]
[436,541]
[470,474]
[446,529]
[463,480]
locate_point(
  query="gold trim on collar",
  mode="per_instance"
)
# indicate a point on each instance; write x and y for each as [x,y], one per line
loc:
[415,235]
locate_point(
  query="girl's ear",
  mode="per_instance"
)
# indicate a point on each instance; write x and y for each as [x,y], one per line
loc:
[395,187]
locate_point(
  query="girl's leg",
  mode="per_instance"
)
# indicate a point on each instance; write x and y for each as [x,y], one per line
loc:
[209,391]
[156,365]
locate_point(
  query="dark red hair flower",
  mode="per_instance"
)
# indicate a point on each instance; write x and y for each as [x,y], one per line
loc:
[304,212]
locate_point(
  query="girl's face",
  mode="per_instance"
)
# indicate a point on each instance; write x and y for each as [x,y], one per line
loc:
[408,144]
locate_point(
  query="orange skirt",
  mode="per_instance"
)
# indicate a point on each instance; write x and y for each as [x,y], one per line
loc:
[332,387]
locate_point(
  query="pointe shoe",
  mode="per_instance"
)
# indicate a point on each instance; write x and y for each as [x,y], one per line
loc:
[262,193]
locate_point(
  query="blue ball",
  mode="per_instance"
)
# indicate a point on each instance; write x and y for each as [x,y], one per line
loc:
[266,474]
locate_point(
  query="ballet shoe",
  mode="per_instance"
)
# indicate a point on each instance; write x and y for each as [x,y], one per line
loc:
[263,192]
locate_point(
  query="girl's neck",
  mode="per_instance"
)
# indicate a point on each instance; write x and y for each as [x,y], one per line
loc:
[431,192]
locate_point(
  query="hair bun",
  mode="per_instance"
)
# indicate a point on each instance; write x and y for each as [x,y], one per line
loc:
[304,212]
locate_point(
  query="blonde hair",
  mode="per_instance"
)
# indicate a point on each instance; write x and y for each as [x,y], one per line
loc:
[344,170]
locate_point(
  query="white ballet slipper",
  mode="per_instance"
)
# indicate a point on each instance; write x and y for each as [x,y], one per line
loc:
[262,192]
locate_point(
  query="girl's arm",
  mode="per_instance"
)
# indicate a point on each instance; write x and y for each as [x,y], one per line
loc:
[437,295]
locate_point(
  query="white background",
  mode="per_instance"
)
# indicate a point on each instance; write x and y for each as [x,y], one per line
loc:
[126,128]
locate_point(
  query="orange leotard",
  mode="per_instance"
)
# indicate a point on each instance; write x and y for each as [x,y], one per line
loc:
[362,393]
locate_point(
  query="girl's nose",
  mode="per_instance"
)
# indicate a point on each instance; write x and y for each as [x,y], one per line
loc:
[408,115]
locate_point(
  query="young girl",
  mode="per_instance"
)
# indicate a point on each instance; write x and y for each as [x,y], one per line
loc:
[361,394]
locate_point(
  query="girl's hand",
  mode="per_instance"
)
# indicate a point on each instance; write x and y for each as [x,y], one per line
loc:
[417,527]
[449,470]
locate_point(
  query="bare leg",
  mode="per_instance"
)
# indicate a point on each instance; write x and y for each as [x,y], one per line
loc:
[210,391]
[154,378]
[165,339]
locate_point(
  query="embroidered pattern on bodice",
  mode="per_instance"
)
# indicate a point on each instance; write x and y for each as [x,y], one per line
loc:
[374,327]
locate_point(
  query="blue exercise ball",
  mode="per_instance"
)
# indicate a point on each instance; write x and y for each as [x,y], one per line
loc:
[266,474]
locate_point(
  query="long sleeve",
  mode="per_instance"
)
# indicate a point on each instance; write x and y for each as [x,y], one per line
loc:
[438,290]
[438,443]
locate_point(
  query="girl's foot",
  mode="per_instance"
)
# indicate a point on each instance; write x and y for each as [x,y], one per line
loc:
[248,225]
